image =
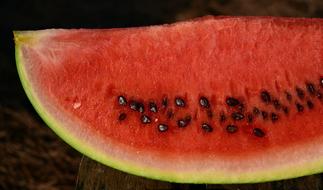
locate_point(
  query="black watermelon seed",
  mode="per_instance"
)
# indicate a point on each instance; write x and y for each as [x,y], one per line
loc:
[179,102]
[300,93]
[319,96]
[285,109]
[321,81]
[274,117]
[206,127]
[122,116]
[256,111]
[209,114]
[265,96]
[164,102]
[141,108]
[137,106]
[264,115]
[153,107]
[237,116]
[162,127]
[310,104]
[232,129]
[222,117]
[232,101]
[181,123]
[145,119]
[249,118]
[204,102]
[288,96]
[184,122]
[277,104]
[170,114]
[122,100]
[299,107]
[310,88]
[133,105]
[258,132]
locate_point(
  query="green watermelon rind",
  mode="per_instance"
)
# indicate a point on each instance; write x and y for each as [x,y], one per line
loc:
[215,177]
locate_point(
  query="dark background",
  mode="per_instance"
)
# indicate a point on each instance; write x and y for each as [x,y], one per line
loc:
[32,156]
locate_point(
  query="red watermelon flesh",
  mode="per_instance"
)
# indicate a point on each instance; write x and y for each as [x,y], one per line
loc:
[252,89]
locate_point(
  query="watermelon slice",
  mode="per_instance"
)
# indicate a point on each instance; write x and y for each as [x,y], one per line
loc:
[211,100]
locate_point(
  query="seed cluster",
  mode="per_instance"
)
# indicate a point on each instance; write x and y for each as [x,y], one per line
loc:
[139,106]
[300,99]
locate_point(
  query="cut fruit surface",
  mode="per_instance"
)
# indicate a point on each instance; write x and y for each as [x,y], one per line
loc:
[212,100]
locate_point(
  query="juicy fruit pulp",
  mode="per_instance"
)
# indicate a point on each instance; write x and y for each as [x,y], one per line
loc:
[216,100]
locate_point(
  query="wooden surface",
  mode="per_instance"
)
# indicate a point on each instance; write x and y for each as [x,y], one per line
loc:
[95,176]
